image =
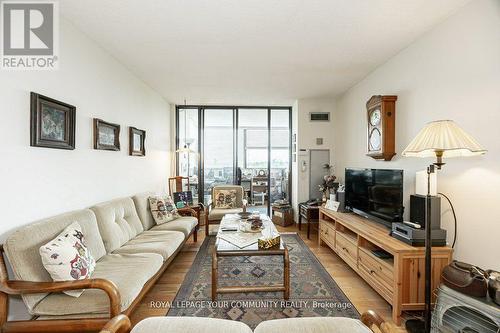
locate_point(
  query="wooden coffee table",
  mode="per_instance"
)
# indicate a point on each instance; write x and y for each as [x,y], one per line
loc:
[224,248]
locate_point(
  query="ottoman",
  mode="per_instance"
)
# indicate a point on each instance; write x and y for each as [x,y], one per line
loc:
[189,325]
[312,325]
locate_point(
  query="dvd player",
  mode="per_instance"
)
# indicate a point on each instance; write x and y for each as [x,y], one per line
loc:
[416,237]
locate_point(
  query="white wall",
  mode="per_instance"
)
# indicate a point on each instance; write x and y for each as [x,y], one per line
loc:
[307,132]
[41,182]
[452,72]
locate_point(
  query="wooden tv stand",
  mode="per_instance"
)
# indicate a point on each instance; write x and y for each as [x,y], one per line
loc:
[400,280]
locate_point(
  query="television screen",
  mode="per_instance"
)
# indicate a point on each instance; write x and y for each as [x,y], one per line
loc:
[375,193]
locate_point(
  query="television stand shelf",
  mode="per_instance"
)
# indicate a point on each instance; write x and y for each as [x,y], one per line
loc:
[399,279]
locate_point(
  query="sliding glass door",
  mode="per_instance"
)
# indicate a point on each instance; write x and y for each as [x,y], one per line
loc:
[253,156]
[188,147]
[249,146]
[280,135]
[218,149]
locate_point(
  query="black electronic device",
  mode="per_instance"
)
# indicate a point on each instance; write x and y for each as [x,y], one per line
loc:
[382,254]
[313,202]
[376,194]
[417,210]
[416,237]
[341,200]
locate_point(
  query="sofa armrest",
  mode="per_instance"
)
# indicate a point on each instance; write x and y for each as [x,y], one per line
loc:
[15,287]
[371,318]
[118,324]
[186,211]
[208,208]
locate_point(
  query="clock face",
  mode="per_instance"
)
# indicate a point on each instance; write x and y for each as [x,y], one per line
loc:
[375,117]
[375,139]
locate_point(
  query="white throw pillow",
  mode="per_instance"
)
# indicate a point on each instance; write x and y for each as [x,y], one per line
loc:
[67,257]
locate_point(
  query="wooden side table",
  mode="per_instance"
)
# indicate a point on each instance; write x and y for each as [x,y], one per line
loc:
[310,213]
[198,209]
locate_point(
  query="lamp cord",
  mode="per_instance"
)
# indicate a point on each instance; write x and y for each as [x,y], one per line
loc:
[454,217]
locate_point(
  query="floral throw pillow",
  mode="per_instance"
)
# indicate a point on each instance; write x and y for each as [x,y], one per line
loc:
[163,209]
[67,257]
[225,198]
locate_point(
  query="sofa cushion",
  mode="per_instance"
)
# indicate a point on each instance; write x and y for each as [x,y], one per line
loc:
[184,224]
[141,202]
[118,222]
[312,325]
[164,243]
[67,257]
[22,247]
[189,325]
[163,209]
[237,188]
[224,198]
[217,214]
[129,272]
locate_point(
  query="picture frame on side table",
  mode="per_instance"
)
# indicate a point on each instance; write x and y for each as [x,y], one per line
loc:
[106,135]
[52,123]
[137,139]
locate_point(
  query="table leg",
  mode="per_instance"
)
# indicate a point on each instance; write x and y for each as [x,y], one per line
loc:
[286,274]
[308,228]
[300,221]
[214,275]
[195,235]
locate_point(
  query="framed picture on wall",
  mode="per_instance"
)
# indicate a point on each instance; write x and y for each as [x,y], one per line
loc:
[136,142]
[106,135]
[52,123]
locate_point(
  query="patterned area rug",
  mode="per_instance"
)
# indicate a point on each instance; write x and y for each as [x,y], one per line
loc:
[313,292]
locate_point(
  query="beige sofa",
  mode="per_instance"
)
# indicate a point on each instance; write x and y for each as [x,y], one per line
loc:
[131,253]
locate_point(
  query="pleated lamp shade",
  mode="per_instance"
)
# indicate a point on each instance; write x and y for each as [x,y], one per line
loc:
[443,137]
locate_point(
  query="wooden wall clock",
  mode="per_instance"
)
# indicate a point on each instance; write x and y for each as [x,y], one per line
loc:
[381,111]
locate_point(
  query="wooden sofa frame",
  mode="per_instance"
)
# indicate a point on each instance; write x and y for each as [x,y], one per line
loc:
[121,323]
[83,325]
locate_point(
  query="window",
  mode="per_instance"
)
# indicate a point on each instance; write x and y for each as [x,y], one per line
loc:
[233,145]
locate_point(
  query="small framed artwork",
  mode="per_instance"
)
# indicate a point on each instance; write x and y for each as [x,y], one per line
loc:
[106,135]
[185,197]
[52,123]
[136,142]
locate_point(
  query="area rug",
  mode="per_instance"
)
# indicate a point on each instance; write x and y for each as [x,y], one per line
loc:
[313,293]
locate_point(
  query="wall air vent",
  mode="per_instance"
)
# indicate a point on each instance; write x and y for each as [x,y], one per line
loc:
[319,116]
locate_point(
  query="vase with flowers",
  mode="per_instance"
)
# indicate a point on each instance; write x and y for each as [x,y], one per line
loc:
[329,185]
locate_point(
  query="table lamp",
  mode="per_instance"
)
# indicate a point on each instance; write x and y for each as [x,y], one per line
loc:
[440,139]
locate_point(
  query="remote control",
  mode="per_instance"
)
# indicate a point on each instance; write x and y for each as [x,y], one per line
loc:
[411,224]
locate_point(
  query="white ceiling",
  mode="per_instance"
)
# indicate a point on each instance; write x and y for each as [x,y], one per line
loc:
[254,51]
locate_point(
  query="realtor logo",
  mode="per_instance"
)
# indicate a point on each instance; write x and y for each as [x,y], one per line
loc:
[29,35]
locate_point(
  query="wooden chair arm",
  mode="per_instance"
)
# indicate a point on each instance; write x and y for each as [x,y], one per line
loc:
[118,324]
[13,287]
[186,211]
[370,318]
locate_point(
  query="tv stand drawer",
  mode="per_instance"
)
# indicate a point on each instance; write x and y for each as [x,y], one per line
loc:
[346,249]
[327,233]
[381,272]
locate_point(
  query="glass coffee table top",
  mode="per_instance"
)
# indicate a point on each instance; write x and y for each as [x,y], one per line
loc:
[226,239]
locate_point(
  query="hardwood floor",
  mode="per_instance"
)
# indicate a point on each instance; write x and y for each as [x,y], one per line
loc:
[359,292]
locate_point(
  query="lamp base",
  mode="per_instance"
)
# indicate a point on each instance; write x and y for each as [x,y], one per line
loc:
[415,326]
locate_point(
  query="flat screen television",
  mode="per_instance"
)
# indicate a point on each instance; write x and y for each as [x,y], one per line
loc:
[376,194]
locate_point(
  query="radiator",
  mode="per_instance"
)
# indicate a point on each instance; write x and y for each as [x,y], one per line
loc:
[459,313]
